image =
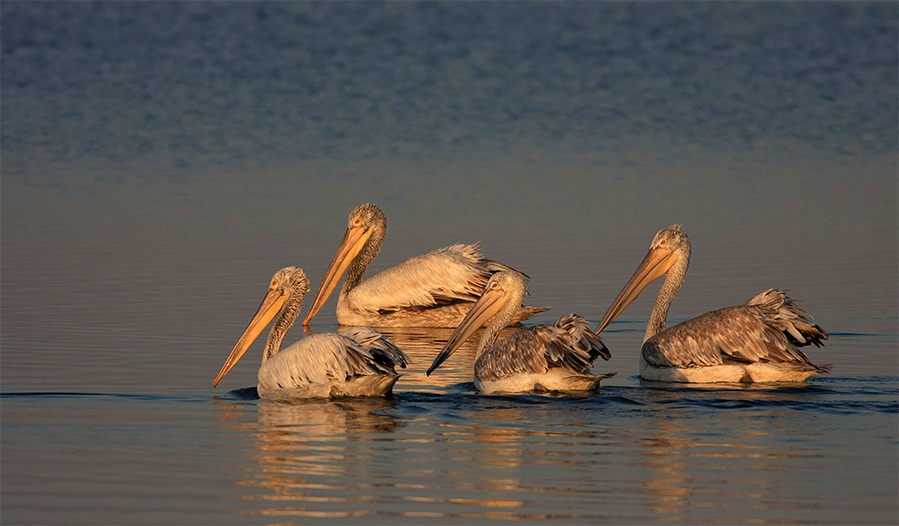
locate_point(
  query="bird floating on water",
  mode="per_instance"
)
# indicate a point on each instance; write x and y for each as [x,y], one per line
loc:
[757,341]
[359,361]
[431,290]
[554,358]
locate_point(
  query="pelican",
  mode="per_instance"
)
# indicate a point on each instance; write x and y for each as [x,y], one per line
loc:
[756,341]
[357,362]
[553,357]
[431,290]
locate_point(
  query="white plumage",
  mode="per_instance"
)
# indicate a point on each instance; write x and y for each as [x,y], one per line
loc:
[359,361]
[431,290]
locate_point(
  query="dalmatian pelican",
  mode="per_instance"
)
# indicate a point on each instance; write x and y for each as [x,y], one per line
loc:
[553,358]
[431,290]
[756,341]
[359,361]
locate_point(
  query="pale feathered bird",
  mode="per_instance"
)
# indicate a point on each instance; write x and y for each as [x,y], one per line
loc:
[757,341]
[554,358]
[431,290]
[359,361]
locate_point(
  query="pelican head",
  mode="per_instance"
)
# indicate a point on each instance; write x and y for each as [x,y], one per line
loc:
[365,231]
[669,246]
[502,290]
[285,296]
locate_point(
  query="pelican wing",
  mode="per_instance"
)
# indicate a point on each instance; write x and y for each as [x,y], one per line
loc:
[322,359]
[767,328]
[446,275]
[568,344]
[375,350]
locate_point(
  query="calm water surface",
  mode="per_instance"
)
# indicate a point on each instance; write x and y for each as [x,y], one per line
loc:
[162,160]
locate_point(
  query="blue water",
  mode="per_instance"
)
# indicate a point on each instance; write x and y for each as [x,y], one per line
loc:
[160,160]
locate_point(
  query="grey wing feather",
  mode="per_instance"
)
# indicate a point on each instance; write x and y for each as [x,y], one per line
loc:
[767,328]
[568,343]
[376,349]
[782,313]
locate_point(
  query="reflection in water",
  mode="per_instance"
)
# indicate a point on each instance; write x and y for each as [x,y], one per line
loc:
[499,463]
[460,455]
[353,458]
[422,344]
[322,459]
[671,484]
[313,455]
[649,454]
[738,460]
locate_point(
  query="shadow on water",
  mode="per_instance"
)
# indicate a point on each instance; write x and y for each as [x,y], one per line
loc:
[244,393]
[877,394]
[455,392]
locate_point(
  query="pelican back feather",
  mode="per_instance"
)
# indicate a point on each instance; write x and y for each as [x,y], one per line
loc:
[767,329]
[446,275]
[782,312]
[568,344]
[383,352]
[323,361]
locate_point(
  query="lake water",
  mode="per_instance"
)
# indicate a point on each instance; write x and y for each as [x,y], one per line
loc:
[161,160]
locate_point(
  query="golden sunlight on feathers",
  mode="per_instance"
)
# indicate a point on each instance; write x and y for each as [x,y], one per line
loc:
[543,358]
[756,341]
[358,361]
[431,290]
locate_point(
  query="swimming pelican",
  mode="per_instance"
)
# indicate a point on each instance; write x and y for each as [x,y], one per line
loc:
[431,290]
[553,357]
[756,341]
[357,362]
